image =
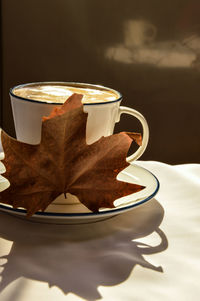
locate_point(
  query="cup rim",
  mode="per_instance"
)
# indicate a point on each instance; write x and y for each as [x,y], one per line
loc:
[11,92]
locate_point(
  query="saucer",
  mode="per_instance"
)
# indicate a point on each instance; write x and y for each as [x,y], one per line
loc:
[75,212]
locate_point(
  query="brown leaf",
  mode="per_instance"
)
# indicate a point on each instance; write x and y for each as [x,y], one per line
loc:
[63,162]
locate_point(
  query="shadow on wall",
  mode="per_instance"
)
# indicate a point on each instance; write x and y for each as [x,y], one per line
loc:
[148,50]
[171,102]
[140,47]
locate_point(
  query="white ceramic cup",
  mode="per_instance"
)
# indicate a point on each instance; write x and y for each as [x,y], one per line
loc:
[28,113]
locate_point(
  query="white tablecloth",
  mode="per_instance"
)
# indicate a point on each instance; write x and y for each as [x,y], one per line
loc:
[149,253]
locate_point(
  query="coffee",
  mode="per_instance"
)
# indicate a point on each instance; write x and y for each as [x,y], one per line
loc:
[58,93]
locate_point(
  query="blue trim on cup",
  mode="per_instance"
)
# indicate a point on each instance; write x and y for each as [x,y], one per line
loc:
[65,83]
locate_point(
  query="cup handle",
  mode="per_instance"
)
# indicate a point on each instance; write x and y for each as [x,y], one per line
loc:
[145,128]
[153,30]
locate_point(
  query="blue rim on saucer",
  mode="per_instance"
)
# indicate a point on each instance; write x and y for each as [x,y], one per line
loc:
[154,182]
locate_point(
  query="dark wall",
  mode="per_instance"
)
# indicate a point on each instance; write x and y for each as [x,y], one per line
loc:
[148,50]
[1,67]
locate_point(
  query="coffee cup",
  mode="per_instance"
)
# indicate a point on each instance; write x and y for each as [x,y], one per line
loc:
[31,101]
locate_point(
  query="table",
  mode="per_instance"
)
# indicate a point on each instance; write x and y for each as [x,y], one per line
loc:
[149,253]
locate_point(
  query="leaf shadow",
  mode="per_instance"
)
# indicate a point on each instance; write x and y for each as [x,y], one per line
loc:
[80,258]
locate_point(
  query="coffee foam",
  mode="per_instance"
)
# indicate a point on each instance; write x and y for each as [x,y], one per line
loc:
[59,93]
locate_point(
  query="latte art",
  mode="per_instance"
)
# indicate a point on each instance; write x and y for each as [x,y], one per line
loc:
[57,93]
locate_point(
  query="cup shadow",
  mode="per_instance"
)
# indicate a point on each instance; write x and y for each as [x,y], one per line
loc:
[80,258]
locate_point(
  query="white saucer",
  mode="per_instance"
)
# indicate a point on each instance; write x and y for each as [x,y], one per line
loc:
[75,212]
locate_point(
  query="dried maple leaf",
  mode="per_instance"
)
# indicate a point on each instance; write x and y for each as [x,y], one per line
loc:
[63,162]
